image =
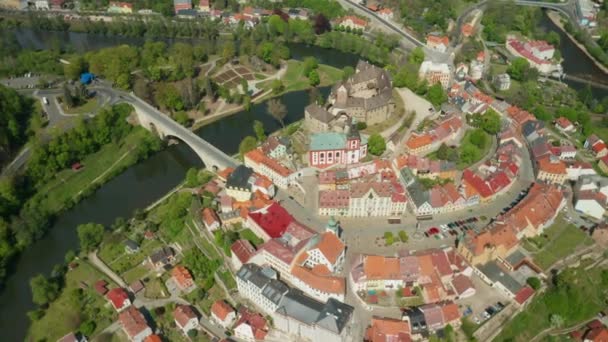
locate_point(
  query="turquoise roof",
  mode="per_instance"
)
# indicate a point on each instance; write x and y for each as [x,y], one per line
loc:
[327,141]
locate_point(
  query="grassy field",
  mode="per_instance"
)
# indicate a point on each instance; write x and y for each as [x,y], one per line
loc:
[67,184]
[69,311]
[155,288]
[87,107]
[562,239]
[579,298]
[247,234]
[294,78]
[126,262]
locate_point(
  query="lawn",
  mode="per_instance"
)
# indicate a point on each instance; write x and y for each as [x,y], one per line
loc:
[205,299]
[562,239]
[89,106]
[294,78]
[68,184]
[112,247]
[155,289]
[482,151]
[129,261]
[579,298]
[67,312]
[135,273]
[228,279]
[249,235]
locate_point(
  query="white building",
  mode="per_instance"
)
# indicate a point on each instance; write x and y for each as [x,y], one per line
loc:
[502,81]
[185,318]
[222,313]
[266,166]
[591,203]
[42,4]
[260,285]
[435,73]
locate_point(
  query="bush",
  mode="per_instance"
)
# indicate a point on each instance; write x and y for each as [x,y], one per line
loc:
[361,125]
[389,238]
[403,236]
[534,283]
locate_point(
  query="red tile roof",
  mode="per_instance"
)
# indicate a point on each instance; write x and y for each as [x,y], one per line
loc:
[597,335]
[330,246]
[209,216]
[563,122]
[117,296]
[221,309]
[153,338]
[319,280]
[243,250]
[524,294]
[273,219]
[183,314]
[255,321]
[182,276]
[388,330]
[132,321]
[450,313]
[477,183]
[101,286]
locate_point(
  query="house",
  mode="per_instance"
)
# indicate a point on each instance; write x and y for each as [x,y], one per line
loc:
[564,152]
[331,148]
[101,287]
[387,330]
[268,167]
[436,72]
[131,247]
[182,5]
[239,183]
[537,53]
[386,14]
[439,43]
[242,251]
[182,278]
[120,7]
[351,22]
[305,318]
[222,313]
[210,219]
[119,299]
[275,148]
[261,286]
[317,119]
[579,169]
[551,170]
[463,286]
[596,145]
[250,326]
[203,6]
[325,249]
[41,4]
[564,125]
[502,81]
[136,286]
[161,258]
[362,199]
[185,318]
[591,203]
[134,324]
[603,164]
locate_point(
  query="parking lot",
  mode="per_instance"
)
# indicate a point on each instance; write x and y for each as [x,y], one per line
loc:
[484,297]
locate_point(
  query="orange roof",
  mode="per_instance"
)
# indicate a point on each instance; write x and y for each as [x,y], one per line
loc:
[331,246]
[556,167]
[183,314]
[356,20]
[450,313]
[426,265]
[499,235]
[416,141]
[467,29]
[225,173]
[153,338]
[435,40]
[432,293]
[379,267]
[182,276]
[327,284]
[258,157]
[221,309]
[209,216]
[388,330]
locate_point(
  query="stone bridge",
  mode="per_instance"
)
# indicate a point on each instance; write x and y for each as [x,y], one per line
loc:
[154,120]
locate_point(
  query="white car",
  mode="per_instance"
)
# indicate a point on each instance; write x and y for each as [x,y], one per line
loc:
[444,228]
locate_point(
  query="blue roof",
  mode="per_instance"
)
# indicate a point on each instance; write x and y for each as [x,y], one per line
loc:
[86,78]
[327,141]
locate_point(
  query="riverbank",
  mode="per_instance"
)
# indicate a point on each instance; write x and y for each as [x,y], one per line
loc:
[556,19]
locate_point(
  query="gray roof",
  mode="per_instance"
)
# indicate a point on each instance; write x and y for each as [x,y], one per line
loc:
[498,275]
[516,257]
[531,126]
[239,178]
[131,244]
[319,113]
[331,316]
[274,291]
[162,255]
[418,194]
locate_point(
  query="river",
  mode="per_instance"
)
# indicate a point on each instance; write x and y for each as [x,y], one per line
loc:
[142,184]
[138,186]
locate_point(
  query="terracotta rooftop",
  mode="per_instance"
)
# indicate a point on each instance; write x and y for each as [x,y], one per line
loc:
[183,314]
[388,330]
[330,246]
[132,321]
[221,309]
[321,282]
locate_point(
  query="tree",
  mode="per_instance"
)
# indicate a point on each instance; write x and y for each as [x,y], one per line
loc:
[87,328]
[376,144]
[44,291]
[321,24]
[556,320]
[192,333]
[76,67]
[244,86]
[68,98]
[69,256]
[277,86]
[478,138]
[534,282]
[90,236]
[519,68]
[416,56]
[169,97]
[347,72]
[313,78]
[142,89]
[247,144]
[436,95]
[277,110]
[469,153]
[309,65]
[192,177]
[258,128]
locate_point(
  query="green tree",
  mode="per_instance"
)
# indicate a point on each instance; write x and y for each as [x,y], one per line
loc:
[469,154]
[247,144]
[478,138]
[90,236]
[276,25]
[192,177]
[76,67]
[416,56]
[277,110]
[490,122]
[347,72]
[519,68]
[277,87]
[309,65]
[534,282]
[68,98]
[376,144]
[313,78]
[258,128]
[443,152]
[169,97]
[87,328]
[436,95]
[44,291]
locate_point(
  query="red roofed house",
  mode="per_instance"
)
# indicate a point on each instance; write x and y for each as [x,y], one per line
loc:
[552,170]
[387,330]
[352,22]
[269,222]
[597,334]
[101,287]
[328,251]
[386,14]
[250,326]
[203,6]
[564,125]
[119,298]
[153,338]
[222,313]
[242,251]
[182,278]
[463,286]
[439,43]
[451,314]
[210,219]
[522,296]
[266,166]
[185,318]
[467,30]
[134,324]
